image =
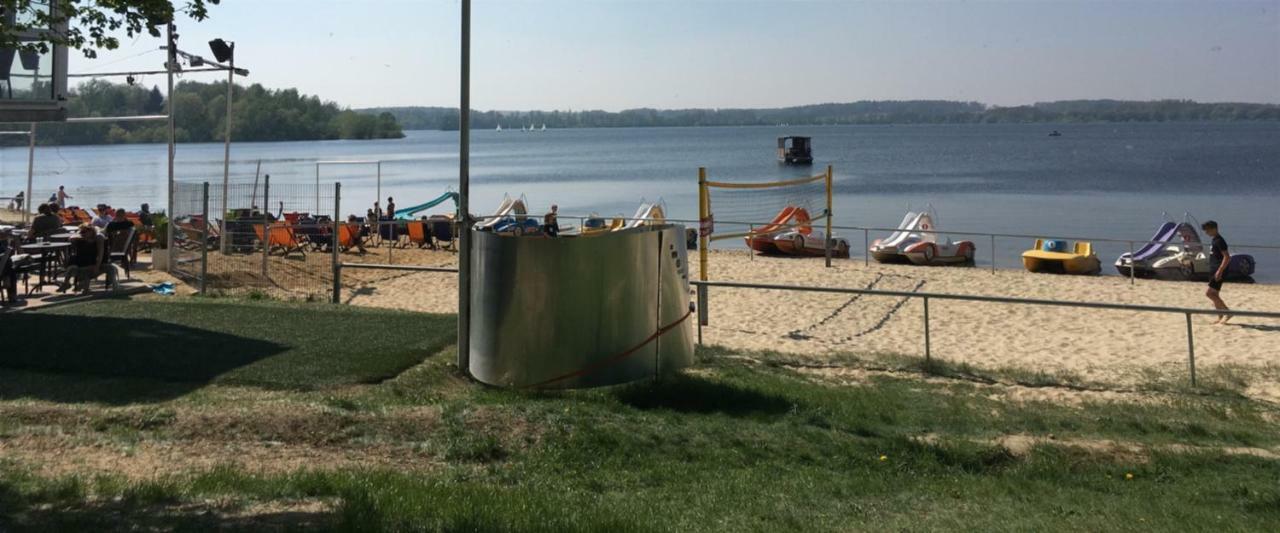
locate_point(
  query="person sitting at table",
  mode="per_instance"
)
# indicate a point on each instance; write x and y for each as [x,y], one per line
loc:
[119,222]
[46,223]
[88,259]
[103,216]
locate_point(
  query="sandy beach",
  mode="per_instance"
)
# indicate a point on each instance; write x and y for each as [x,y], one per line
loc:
[1091,345]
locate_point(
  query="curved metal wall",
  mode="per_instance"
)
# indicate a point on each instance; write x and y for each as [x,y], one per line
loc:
[560,313]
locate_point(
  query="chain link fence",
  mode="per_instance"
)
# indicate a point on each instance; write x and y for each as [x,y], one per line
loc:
[262,236]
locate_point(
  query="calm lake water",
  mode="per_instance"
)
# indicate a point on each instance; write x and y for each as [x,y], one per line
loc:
[1096,180]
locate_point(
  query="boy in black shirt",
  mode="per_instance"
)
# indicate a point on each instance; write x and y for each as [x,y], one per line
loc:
[1219,257]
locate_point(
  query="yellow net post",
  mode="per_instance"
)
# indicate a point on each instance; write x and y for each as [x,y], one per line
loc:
[829,237]
[704,213]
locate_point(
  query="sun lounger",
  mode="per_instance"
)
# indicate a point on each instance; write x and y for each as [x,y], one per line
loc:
[282,238]
[418,235]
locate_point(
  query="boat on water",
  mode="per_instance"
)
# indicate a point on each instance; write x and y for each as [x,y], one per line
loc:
[795,150]
[1055,133]
[1052,256]
[499,128]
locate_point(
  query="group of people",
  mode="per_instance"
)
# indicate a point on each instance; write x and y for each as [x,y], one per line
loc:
[89,254]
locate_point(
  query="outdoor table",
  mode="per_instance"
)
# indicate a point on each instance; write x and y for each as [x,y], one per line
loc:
[45,249]
[71,229]
[61,237]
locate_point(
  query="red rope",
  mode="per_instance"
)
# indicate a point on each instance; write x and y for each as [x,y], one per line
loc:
[615,359]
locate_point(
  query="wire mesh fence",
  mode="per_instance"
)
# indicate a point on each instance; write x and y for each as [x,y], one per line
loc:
[273,238]
[257,236]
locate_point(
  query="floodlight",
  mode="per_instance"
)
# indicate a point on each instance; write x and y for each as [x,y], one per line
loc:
[221,50]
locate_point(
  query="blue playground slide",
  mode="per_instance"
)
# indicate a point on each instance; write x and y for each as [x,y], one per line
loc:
[408,212]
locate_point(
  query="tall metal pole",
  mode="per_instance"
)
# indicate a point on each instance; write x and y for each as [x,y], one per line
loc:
[335,242]
[464,197]
[827,245]
[31,169]
[226,147]
[204,236]
[170,64]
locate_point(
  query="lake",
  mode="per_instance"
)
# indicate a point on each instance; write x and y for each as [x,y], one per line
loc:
[1096,180]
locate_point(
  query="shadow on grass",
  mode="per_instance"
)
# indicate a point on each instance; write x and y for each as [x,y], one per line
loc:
[121,348]
[693,394]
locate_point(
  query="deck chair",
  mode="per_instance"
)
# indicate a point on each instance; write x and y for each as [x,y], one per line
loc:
[282,238]
[348,237]
[442,232]
[68,216]
[120,250]
[81,216]
[191,237]
[418,235]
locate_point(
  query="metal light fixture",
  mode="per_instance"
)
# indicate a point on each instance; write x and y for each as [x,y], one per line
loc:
[221,50]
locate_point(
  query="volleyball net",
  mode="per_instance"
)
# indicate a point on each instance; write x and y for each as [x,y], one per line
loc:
[755,210]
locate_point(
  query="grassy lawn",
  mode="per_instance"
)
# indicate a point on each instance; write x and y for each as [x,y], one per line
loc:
[742,442]
[197,341]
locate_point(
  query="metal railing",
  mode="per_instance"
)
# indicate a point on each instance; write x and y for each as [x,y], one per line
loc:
[703,313]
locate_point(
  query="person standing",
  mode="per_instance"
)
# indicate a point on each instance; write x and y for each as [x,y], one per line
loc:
[1219,258]
[63,197]
[391,207]
[550,222]
[17,200]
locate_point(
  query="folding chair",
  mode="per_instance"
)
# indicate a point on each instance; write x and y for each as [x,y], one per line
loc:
[120,250]
[418,235]
[442,231]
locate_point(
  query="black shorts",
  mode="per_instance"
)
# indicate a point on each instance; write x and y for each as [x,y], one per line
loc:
[1215,284]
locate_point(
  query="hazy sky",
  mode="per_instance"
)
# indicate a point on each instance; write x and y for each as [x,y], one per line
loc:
[615,54]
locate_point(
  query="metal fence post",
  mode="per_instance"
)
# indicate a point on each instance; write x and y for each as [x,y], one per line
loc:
[334,243]
[928,348]
[751,230]
[866,247]
[993,254]
[1191,350]
[1132,270]
[702,310]
[204,236]
[826,245]
[266,222]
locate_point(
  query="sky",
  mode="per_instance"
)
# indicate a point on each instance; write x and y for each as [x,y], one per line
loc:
[620,54]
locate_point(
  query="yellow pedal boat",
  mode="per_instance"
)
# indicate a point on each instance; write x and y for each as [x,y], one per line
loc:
[1054,259]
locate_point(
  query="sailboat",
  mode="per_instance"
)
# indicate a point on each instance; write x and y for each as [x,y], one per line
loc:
[499,128]
[544,127]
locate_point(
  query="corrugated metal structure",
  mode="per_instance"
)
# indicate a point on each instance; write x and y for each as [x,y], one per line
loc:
[576,312]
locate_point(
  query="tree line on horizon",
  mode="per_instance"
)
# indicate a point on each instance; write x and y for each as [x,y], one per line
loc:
[863,112]
[200,109]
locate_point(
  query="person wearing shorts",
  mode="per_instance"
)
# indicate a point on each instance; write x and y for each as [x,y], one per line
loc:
[1219,257]
[551,222]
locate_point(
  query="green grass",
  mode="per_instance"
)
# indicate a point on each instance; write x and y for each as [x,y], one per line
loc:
[198,341]
[737,445]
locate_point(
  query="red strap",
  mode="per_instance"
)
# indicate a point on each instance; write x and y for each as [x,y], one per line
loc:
[590,369]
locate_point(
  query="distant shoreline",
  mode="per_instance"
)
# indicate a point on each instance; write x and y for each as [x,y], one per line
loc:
[851,113]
